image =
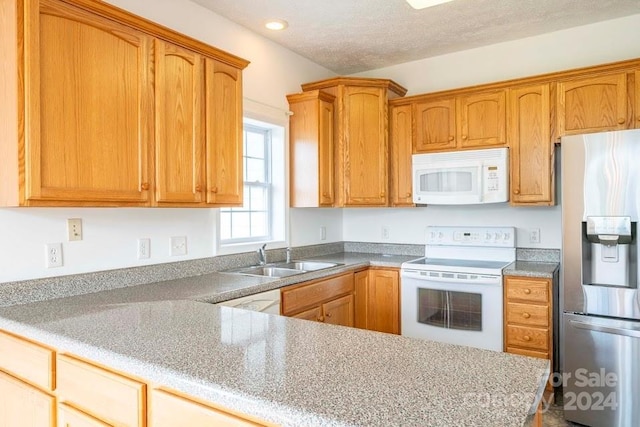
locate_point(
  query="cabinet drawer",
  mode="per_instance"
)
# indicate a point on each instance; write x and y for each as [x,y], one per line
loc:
[28,361]
[105,395]
[533,338]
[528,289]
[303,296]
[528,314]
[167,410]
[71,417]
[526,352]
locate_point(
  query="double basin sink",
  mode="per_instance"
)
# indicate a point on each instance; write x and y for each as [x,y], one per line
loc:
[283,269]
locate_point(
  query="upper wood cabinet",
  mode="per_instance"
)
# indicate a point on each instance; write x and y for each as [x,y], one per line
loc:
[400,146]
[224,133]
[531,153]
[180,129]
[311,143]
[592,104]
[481,119]
[91,119]
[435,125]
[361,138]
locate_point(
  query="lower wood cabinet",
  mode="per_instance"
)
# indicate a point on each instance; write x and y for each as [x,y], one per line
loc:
[169,410]
[24,405]
[326,300]
[378,300]
[528,317]
[64,391]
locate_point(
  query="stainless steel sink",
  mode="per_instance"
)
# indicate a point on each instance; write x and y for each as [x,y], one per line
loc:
[267,271]
[283,269]
[306,265]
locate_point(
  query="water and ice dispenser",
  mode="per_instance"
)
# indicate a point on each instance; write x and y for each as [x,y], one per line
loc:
[609,248]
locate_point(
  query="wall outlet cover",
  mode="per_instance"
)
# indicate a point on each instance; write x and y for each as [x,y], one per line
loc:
[53,255]
[178,245]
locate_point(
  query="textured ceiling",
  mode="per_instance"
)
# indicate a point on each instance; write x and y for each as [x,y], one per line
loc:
[349,36]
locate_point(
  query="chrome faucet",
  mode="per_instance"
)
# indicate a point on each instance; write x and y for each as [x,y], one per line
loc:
[288,251]
[262,255]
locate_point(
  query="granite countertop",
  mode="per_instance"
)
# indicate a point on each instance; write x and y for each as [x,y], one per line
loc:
[288,371]
[531,269]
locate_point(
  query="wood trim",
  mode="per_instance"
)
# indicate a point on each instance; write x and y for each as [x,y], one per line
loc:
[592,71]
[636,88]
[11,36]
[310,96]
[156,30]
[355,81]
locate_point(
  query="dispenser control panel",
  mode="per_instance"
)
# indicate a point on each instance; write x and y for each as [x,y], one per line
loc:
[609,225]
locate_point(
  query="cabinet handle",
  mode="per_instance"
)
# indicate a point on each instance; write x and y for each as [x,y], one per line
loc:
[516,191]
[464,136]
[214,190]
[621,121]
[526,315]
[144,186]
[198,188]
[451,138]
[526,338]
[527,291]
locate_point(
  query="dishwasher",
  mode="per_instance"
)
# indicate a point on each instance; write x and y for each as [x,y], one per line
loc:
[266,302]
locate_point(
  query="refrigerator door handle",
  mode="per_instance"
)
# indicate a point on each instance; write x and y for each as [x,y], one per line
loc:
[606,329]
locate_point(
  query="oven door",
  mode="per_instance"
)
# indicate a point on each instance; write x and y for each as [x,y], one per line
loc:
[442,307]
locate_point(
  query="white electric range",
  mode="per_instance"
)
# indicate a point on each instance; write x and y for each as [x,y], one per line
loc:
[454,293]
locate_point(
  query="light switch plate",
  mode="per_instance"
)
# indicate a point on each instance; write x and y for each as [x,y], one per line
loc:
[178,245]
[74,229]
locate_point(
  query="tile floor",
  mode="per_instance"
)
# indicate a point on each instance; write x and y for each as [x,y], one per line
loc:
[554,416]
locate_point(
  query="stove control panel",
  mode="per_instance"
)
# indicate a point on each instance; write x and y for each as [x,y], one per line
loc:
[472,236]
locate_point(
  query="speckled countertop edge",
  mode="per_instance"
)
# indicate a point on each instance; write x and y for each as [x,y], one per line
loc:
[545,270]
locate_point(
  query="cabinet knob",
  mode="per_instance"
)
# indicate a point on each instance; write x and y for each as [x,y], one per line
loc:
[408,194]
[325,194]
[526,315]
[526,338]
[382,193]
[198,188]
[516,191]
[214,190]
[621,121]
[328,315]
[464,136]
[451,138]
[527,291]
[144,186]
[320,319]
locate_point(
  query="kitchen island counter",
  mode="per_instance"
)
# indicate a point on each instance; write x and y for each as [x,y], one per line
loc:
[288,371]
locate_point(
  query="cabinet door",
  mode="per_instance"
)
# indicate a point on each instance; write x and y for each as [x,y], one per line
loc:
[531,152]
[326,154]
[384,301]
[339,311]
[223,101]
[592,104]
[435,125]
[168,410]
[311,314]
[400,145]
[365,146]
[637,103]
[179,89]
[361,296]
[90,117]
[23,405]
[482,119]
[71,417]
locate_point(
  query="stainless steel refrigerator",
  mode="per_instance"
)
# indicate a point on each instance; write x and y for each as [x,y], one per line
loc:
[600,336]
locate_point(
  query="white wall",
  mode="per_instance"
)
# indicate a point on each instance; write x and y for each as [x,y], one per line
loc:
[598,43]
[305,224]
[110,234]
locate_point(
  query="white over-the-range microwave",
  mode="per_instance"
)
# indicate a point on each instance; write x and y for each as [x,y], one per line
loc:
[461,177]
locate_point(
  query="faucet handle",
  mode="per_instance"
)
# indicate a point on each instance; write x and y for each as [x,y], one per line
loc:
[288,252]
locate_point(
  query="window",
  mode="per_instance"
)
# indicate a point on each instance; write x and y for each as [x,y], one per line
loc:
[263,213]
[252,221]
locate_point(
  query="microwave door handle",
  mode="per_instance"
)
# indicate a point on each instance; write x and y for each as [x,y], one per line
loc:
[480,189]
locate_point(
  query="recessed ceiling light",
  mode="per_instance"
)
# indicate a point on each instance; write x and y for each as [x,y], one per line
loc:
[276,24]
[421,4]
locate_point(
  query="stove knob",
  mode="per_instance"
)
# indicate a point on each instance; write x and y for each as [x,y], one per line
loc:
[487,236]
[507,236]
[498,235]
[440,236]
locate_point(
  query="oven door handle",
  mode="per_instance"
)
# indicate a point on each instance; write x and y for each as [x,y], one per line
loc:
[480,280]
[606,329]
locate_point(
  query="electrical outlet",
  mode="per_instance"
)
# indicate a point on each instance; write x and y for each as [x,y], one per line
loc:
[385,232]
[178,245]
[323,232]
[53,255]
[534,235]
[144,248]
[74,229]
